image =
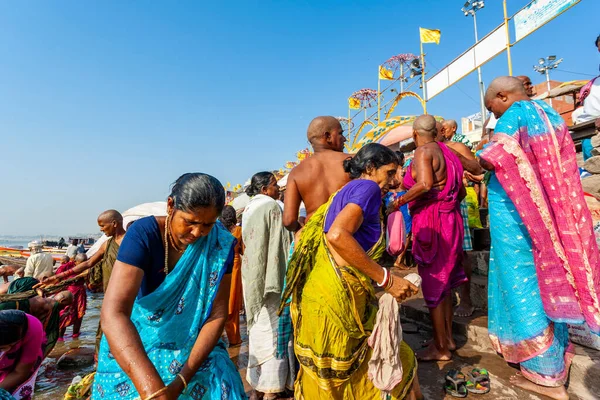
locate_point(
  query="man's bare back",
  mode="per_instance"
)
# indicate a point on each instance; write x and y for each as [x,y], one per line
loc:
[317,178]
[429,162]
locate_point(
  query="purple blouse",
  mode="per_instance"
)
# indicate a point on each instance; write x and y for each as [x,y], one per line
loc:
[367,195]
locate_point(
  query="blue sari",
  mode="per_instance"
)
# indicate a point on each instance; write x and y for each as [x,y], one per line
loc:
[169,320]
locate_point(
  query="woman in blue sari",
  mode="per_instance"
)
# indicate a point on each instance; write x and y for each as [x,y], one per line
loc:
[167,302]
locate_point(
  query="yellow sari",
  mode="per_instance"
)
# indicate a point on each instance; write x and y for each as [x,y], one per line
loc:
[333,310]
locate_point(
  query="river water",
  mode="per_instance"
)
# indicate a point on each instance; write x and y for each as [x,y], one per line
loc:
[52,383]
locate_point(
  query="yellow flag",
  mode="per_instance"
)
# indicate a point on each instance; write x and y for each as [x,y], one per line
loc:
[385,74]
[430,35]
[353,103]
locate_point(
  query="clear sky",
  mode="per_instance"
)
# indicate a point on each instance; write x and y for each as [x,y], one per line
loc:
[103,104]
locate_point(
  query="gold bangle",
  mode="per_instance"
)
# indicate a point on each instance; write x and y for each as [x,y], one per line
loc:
[183,380]
[157,393]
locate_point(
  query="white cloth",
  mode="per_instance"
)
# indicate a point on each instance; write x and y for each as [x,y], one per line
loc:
[71,251]
[39,265]
[385,366]
[492,122]
[265,372]
[591,105]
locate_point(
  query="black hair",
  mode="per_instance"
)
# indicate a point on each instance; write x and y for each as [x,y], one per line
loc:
[197,190]
[13,326]
[373,155]
[400,156]
[258,182]
[597,42]
[228,217]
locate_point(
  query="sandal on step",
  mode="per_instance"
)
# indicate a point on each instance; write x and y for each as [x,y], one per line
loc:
[455,384]
[479,381]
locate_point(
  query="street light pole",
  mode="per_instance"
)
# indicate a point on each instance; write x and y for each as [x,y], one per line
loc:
[544,66]
[470,8]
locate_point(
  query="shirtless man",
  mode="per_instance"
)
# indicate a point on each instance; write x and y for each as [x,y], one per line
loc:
[436,215]
[319,176]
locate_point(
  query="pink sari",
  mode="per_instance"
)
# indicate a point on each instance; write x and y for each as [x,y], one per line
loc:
[534,158]
[437,228]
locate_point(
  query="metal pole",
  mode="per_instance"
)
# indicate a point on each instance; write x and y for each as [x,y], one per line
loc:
[510,72]
[379,96]
[423,79]
[548,83]
[481,89]
[401,78]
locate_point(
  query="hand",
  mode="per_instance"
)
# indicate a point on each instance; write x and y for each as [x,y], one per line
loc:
[474,178]
[401,288]
[394,206]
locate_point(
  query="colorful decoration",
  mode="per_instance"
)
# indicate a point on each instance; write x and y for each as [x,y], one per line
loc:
[367,97]
[395,62]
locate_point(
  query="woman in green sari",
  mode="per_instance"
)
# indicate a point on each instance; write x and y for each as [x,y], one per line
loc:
[330,280]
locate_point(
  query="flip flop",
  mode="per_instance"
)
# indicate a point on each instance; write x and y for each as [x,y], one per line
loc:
[455,384]
[479,381]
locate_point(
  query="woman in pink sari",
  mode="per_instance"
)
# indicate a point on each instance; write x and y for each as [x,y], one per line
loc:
[21,352]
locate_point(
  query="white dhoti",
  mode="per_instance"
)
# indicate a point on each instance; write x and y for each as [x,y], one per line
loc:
[266,373]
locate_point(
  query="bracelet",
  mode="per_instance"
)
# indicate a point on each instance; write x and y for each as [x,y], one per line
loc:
[157,393]
[386,276]
[390,283]
[183,380]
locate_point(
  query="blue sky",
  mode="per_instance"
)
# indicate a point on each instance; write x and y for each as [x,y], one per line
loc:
[103,104]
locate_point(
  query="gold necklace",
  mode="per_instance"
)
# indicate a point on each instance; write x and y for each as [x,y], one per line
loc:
[168,240]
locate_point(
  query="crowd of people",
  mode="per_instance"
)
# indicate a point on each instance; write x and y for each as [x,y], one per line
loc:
[309,286]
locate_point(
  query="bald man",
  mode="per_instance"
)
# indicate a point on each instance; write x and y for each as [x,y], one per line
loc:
[319,176]
[435,189]
[490,124]
[543,270]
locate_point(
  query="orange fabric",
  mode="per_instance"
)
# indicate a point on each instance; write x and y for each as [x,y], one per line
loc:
[232,326]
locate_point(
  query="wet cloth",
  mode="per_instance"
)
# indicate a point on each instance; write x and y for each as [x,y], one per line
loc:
[232,326]
[535,163]
[519,328]
[28,350]
[438,232]
[264,265]
[385,366]
[333,309]
[75,311]
[168,321]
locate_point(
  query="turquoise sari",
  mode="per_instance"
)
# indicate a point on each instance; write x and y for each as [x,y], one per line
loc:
[168,321]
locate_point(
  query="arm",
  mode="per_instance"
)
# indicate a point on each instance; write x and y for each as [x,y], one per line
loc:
[123,338]
[467,159]
[292,205]
[17,376]
[93,260]
[341,239]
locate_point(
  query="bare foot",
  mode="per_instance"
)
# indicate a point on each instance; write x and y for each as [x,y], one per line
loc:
[431,353]
[558,393]
[450,343]
[464,310]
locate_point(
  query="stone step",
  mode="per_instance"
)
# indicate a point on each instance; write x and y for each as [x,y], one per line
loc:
[480,261]
[476,349]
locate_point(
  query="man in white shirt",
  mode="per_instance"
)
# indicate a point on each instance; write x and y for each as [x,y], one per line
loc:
[39,264]
[72,249]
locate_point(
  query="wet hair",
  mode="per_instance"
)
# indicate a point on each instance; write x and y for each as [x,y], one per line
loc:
[597,42]
[258,182]
[400,156]
[228,217]
[197,190]
[13,326]
[373,155]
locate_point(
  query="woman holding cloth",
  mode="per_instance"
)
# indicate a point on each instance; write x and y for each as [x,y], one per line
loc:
[330,280]
[167,303]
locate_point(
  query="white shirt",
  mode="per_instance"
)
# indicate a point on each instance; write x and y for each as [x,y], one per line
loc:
[39,265]
[71,251]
